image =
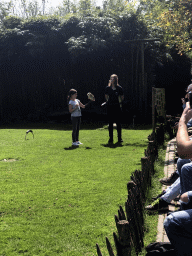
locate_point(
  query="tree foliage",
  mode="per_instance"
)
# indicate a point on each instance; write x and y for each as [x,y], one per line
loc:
[43,56]
[176,23]
[171,20]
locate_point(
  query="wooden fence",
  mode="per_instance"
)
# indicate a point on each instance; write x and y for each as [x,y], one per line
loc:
[130,224]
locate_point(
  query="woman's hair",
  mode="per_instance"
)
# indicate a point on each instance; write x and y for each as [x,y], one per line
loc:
[116,80]
[71,92]
[189,88]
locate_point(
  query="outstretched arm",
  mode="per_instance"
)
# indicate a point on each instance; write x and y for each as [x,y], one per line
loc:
[81,105]
[184,145]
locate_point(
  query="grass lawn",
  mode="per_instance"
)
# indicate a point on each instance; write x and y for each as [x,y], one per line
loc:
[61,200]
[151,219]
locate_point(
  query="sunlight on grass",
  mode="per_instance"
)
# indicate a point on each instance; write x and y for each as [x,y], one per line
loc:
[61,200]
[151,220]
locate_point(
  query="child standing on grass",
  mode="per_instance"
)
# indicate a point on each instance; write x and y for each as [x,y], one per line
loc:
[75,109]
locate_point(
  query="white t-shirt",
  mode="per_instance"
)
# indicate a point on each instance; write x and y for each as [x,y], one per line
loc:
[77,112]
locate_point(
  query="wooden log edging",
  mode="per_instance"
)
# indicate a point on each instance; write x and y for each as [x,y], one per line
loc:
[130,224]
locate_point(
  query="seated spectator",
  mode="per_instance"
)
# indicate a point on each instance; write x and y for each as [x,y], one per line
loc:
[178,225]
[164,199]
[184,100]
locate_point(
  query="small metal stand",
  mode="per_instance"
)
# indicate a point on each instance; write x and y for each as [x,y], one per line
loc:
[29,132]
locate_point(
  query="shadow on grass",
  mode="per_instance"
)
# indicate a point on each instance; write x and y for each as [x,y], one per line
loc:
[158,212]
[135,144]
[168,162]
[111,145]
[75,147]
[71,148]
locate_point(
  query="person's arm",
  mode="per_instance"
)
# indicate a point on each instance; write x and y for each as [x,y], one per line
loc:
[184,197]
[183,100]
[71,109]
[184,145]
[81,105]
[106,97]
[121,94]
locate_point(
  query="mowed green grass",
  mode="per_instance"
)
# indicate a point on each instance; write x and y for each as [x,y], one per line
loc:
[61,200]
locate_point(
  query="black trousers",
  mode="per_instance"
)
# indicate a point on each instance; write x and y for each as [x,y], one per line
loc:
[114,114]
[76,120]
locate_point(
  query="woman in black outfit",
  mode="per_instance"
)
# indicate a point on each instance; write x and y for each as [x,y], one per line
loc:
[114,97]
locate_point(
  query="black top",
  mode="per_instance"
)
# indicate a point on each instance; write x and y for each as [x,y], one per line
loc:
[113,94]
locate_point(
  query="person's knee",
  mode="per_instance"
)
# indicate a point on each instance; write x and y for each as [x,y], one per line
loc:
[186,200]
[184,197]
[181,162]
[169,224]
[186,170]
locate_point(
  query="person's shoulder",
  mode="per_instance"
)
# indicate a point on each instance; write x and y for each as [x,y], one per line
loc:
[107,88]
[120,88]
[71,102]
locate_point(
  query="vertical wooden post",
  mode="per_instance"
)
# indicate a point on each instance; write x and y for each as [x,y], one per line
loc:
[142,64]
[109,248]
[146,171]
[43,2]
[153,109]
[98,250]
[124,237]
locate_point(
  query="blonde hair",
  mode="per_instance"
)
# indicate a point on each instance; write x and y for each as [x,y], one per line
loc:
[116,80]
[189,88]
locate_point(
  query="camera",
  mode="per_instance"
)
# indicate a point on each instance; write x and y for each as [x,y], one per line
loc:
[190,97]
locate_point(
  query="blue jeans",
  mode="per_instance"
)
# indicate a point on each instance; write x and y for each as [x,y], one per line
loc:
[189,124]
[172,191]
[178,226]
[184,166]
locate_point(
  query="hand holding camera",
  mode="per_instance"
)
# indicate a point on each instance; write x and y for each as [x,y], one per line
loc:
[187,113]
[188,96]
